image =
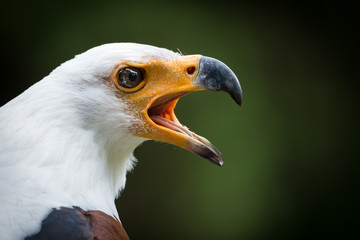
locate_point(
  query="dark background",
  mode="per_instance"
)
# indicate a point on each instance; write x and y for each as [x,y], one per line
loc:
[290,151]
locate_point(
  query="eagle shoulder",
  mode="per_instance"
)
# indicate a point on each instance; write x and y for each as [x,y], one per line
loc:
[77,224]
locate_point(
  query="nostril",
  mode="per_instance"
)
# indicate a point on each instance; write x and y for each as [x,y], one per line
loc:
[191,70]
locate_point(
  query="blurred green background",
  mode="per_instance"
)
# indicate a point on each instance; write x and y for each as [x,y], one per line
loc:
[289,151]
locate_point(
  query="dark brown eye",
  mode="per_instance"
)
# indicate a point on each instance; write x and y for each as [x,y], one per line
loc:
[130,77]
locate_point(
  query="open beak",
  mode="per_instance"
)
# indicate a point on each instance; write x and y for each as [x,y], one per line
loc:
[183,76]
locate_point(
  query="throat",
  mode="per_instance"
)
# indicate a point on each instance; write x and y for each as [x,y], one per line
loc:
[83,166]
[119,162]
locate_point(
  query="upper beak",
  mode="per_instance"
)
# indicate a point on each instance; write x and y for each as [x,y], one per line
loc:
[216,76]
[161,122]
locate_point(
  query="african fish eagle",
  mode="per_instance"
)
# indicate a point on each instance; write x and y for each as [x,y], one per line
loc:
[68,141]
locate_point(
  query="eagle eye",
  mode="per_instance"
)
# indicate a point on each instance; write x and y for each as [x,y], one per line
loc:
[130,79]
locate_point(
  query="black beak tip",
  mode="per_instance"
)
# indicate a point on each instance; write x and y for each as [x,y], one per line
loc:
[237,96]
[217,160]
[220,163]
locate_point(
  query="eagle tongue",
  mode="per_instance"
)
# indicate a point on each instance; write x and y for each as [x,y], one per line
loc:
[171,125]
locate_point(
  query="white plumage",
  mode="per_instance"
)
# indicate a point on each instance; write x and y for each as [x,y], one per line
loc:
[67,140]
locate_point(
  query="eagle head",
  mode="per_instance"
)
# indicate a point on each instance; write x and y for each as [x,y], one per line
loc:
[132,89]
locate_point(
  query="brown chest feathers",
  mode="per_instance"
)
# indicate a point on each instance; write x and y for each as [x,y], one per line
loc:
[77,224]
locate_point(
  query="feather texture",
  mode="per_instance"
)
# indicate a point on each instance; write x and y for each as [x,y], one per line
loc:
[67,140]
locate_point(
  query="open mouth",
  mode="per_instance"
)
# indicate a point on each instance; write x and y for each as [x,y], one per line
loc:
[161,113]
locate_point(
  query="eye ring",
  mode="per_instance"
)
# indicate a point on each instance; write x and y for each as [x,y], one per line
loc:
[130,79]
